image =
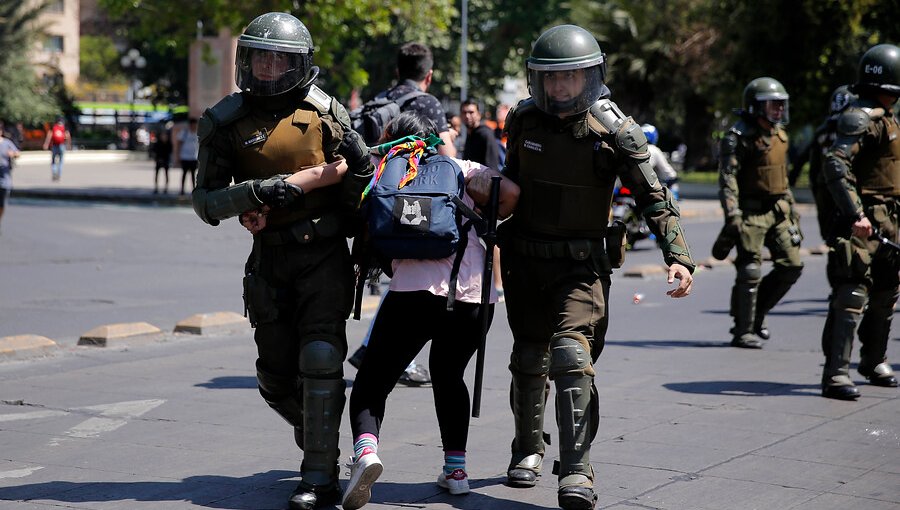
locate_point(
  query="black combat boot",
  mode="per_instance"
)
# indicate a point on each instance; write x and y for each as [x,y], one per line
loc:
[305,497]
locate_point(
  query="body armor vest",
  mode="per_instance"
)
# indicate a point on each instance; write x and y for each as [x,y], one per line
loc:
[268,145]
[563,191]
[878,168]
[764,166]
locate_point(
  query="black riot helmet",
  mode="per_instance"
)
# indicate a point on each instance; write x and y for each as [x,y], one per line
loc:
[279,48]
[840,98]
[761,90]
[566,70]
[879,69]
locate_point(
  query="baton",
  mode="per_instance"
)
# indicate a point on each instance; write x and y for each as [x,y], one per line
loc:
[884,241]
[487,281]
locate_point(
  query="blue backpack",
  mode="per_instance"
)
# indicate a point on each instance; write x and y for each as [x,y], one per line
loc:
[414,208]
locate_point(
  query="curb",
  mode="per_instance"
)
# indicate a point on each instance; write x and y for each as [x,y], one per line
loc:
[203,323]
[101,336]
[25,346]
[100,195]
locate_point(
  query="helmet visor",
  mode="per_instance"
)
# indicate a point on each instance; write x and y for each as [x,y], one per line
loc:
[565,92]
[775,111]
[267,73]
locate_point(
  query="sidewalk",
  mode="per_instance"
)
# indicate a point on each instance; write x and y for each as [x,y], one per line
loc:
[124,177]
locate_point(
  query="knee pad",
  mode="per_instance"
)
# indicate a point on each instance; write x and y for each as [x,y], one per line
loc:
[321,359]
[852,298]
[275,387]
[749,273]
[283,394]
[529,359]
[570,354]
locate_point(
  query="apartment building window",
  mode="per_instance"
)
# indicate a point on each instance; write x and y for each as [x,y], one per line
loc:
[57,6]
[54,44]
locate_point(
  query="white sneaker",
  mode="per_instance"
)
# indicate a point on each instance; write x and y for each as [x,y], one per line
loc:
[363,473]
[456,482]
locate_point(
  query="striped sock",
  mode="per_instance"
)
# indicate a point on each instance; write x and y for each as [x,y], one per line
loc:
[453,460]
[365,444]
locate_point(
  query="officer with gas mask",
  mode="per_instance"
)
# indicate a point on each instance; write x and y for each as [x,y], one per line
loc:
[567,143]
[281,155]
[862,172]
[759,209]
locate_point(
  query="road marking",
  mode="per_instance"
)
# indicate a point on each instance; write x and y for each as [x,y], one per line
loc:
[112,416]
[31,416]
[19,473]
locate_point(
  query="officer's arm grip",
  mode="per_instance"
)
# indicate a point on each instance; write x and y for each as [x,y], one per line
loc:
[231,201]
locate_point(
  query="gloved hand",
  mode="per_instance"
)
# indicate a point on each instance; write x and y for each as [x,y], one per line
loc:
[354,150]
[275,192]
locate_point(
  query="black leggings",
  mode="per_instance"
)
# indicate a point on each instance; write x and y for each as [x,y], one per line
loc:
[405,322]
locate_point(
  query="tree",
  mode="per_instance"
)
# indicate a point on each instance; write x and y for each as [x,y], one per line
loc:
[340,30]
[24,97]
[99,59]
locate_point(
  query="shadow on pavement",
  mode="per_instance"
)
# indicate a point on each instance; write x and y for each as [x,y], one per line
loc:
[745,388]
[235,382]
[259,491]
[412,495]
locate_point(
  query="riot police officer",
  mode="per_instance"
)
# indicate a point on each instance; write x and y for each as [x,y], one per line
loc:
[299,279]
[862,171]
[759,209]
[556,268]
[822,140]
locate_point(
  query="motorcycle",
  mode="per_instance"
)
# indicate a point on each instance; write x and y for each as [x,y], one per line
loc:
[624,209]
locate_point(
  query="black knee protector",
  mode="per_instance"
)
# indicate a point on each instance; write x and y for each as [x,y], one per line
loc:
[529,365]
[283,394]
[321,369]
[750,273]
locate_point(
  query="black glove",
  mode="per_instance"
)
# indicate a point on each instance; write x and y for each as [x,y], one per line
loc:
[353,149]
[275,192]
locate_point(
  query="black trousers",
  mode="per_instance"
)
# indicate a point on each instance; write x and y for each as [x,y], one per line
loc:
[405,322]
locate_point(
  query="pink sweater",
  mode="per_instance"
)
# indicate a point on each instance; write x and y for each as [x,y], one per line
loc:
[434,275]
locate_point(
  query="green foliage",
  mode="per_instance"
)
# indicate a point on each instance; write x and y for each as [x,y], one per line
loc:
[99,59]
[24,98]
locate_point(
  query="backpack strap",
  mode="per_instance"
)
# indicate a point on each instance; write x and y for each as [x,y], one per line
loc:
[409,96]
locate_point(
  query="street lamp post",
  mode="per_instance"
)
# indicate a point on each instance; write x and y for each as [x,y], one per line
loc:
[132,61]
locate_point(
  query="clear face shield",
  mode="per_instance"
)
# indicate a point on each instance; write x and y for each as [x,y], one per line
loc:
[267,73]
[776,111]
[565,91]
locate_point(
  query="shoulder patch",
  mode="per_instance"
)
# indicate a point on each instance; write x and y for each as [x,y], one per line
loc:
[853,121]
[318,99]
[226,111]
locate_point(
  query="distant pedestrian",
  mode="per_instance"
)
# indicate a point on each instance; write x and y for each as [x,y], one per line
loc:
[162,151]
[58,138]
[187,148]
[8,152]
[481,144]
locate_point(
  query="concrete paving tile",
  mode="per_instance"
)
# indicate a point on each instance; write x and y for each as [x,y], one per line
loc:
[840,502]
[623,482]
[813,476]
[676,458]
[816,449]
[883,412]
[877,485]
[711,493]
[737,416]
[734,440]
[881,435]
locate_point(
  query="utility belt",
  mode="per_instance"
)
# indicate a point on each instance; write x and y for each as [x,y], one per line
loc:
[763,204]
[610,252]
[303,231]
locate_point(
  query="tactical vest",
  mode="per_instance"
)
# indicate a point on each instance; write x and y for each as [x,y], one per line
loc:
[878,169]
[764,166]
[563,192]
[268,145]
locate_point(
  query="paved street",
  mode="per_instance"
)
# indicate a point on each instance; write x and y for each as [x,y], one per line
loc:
[688,423]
